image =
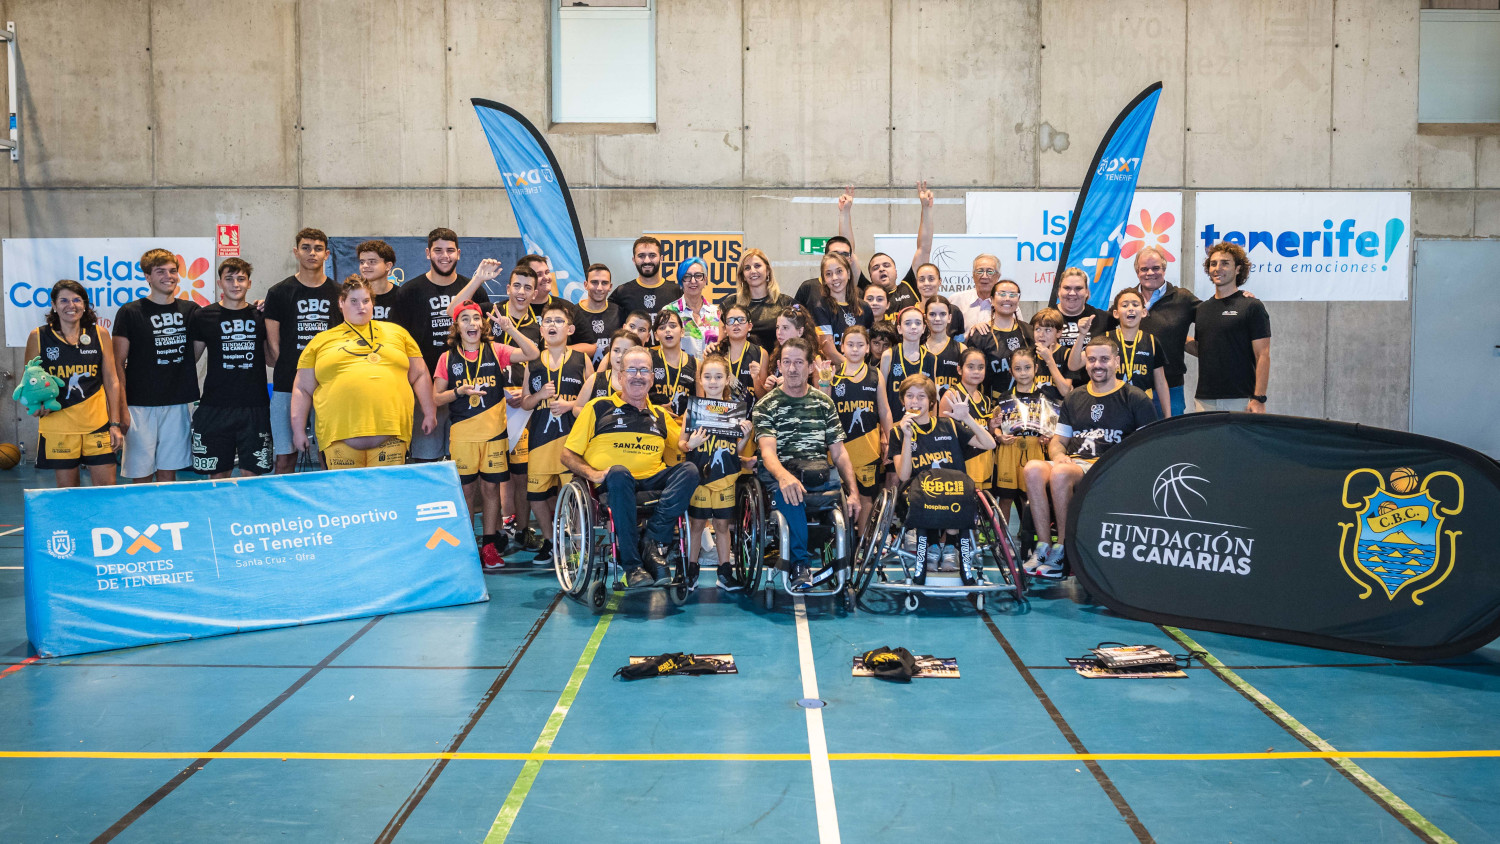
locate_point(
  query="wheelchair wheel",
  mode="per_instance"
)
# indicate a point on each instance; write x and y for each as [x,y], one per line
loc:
[978,599]
[911,602]
[573,538]
[768,593]
[678,593]
[598,596]
[748,544]
[869,552]
[994,535]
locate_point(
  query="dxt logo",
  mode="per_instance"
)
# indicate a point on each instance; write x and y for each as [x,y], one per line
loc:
[108,541]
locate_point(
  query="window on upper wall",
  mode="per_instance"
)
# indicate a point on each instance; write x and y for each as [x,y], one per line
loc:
[1459,74]
[604,63]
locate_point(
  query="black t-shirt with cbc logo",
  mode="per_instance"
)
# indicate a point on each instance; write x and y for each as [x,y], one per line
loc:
[159,369]
[301,313]
[233,342]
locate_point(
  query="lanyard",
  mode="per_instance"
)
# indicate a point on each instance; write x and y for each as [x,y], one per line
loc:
[1128,351]
[373,356]
[864,369]
[980,407]
[557,385]
[921,357]
[473,376]
[673,381]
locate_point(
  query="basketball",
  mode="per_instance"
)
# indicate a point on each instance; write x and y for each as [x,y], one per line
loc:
[1386,507]
[1403,480]
[9,455]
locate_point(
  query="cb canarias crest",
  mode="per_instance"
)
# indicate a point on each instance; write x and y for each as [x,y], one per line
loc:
[1397,540]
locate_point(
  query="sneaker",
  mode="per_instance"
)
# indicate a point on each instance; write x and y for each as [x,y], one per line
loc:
[1056,554]
[1048,571]
[1038,556]
[490,559]
[543,555]
[726,581]
[531,539]
[948,559]
[501,542]
[638,577]
[801,578]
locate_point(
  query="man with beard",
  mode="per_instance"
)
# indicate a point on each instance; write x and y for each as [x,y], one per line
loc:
[648,292]
[1079,317]
[424,309]
[1092,421]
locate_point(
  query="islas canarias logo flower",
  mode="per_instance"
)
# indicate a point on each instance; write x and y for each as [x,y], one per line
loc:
[1149,233]
[1397,538]
[195,281]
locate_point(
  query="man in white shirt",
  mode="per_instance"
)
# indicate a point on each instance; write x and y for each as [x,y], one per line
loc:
[975,304]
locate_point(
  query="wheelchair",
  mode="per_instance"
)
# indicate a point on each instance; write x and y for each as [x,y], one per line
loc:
[761,538]
[586,556]
[885,558]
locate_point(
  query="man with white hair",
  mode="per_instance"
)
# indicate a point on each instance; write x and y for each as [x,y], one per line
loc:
[975,304]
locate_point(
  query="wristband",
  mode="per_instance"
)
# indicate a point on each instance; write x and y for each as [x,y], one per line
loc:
[114,424]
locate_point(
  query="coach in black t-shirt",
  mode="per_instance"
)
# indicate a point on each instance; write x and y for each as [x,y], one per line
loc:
[234,418]
[1232,339]
[161,382]
[297,308]
[647,292]
[424,309]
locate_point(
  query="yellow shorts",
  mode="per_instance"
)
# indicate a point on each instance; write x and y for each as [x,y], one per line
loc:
[864,478]
[520,452]
[486,460]
[69,451]
[715,499]
[392,452]
[1011,458]
[540,487]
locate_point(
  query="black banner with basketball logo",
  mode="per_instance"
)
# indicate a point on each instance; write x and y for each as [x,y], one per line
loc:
[1299,530]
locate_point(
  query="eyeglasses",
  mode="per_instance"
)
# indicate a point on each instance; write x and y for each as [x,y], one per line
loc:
[637,370]
[695,277]
[736,320]
[554,321]
[987,272]
[1007,295]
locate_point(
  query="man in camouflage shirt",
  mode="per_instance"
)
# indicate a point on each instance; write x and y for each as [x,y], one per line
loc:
[793,422]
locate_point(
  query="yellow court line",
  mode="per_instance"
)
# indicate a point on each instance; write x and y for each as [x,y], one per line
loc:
[755,757]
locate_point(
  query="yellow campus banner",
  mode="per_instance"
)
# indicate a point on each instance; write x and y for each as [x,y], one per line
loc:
[720,250]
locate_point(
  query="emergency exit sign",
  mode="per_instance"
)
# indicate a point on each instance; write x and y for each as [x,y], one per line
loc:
[813,245]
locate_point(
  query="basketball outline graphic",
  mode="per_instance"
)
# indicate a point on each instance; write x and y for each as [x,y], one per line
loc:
[1403,480]
[1170,484]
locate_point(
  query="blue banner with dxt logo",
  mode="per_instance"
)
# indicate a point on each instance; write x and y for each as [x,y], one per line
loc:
[537,192]
[1097,230]
[116,567]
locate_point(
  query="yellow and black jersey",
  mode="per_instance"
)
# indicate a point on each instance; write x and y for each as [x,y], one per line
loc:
[525,324]
[935,445]
[978,462]
[80,368]
[717,458]
[476,418]
[602,388]
[673,384]
[545,431]
[947,365]
[612,432]
[855,397]
[741,368]
[1139,359]
[903,367]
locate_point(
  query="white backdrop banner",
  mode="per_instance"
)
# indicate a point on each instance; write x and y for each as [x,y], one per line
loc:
[1315,246]
[1040,220]
[107,267]
[952,253]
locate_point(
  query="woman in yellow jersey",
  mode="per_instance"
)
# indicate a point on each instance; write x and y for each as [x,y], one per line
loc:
[76,350]
[360,377]
[859,395]
[979,461]
[610,375]
[470,377]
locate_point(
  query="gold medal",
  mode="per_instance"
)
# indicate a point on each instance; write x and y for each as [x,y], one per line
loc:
[474,401]
[86,340]
[374,357]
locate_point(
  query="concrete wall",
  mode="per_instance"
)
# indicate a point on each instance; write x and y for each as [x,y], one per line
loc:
[159,117]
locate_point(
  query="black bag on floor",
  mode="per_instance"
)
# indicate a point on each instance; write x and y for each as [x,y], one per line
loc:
[674,663]
[891,664]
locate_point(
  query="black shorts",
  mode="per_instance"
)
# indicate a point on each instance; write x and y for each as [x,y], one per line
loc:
[222,434]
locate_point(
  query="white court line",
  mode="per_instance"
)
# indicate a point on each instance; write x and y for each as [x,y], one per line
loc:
[13,530]
[11,568]
[817,742]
